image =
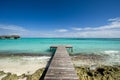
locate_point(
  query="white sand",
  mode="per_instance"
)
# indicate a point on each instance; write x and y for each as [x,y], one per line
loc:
[19,65]
[23,79]
[2,76]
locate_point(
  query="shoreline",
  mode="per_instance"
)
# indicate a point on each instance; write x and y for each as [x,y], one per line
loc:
[22,64]
[31,66]
[102,72]
[84,73]
[78,59]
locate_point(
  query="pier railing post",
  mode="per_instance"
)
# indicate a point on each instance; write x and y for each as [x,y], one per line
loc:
[71,49]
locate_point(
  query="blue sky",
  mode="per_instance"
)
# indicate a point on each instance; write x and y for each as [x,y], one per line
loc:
[60,18]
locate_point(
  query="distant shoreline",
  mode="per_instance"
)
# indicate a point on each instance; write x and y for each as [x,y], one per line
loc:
[9,36]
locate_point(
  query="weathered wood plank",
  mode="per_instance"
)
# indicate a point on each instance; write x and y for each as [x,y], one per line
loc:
[61,67]
[67,46]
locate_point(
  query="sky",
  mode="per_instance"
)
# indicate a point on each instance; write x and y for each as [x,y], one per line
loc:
[60,18]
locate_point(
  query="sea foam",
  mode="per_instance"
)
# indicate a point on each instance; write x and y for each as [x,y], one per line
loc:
[113,57]
[111,52]
[36,58]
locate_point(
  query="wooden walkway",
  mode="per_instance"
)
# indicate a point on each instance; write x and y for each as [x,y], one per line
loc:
[61,67]
[67,46]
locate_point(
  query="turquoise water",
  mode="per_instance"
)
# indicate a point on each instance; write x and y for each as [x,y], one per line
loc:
[80,45]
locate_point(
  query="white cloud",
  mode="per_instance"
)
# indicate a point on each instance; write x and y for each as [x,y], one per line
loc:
[12,30]
[61,30]
[77,29]
[110,30]
[18,30]
[114,24]
[114,19]
[12,27]
[93,34]
[99,34]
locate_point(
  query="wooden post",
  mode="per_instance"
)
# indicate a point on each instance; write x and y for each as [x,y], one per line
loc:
[50,48]
[71,49]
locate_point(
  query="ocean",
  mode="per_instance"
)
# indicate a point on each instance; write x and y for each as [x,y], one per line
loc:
[42,45]
[90,49]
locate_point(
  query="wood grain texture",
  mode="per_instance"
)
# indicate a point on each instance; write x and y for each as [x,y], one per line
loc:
[61,67]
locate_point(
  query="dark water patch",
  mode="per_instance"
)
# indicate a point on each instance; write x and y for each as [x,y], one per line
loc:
[23,54]
[93,57]
[103,39]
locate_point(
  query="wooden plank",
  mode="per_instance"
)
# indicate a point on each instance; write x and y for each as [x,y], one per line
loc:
[61,67]
[66,46]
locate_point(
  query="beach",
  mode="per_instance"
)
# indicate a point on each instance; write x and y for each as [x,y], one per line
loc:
[20,61]
[20,65]
[96,67]
[31,67]
[59,39]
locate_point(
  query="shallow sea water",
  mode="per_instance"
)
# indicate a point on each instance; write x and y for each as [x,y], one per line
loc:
[99,46]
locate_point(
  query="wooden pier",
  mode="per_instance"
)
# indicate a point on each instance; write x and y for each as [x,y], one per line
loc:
[61,67]
[67,46]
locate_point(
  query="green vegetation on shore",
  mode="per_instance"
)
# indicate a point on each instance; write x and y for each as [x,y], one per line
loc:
[84,73]
[34,76]
[9,37]
[99,73]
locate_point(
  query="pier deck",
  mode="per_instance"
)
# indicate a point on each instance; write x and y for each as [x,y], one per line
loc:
[67,46]
[61,67]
